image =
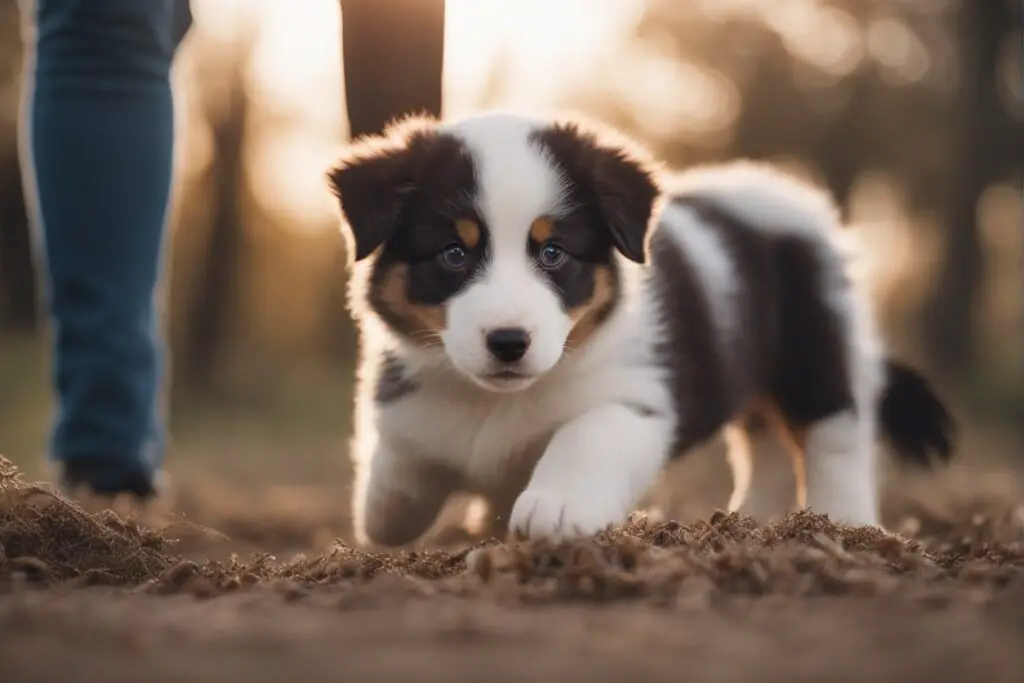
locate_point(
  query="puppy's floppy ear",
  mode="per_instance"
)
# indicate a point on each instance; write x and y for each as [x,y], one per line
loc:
[373,179]
[613,174]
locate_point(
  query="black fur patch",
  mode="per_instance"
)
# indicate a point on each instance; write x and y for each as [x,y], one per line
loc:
[405,194]
[809,380]
[393,380]
[439,197]
[704,398]
[789,349]
[613,189]
[610,197]
[587,246]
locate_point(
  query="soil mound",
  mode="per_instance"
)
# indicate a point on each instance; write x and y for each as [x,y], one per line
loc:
[47,539]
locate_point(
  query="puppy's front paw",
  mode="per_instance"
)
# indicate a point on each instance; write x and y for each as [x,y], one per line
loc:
[543,512]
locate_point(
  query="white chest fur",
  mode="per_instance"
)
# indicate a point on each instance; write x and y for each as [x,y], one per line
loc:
[490,439]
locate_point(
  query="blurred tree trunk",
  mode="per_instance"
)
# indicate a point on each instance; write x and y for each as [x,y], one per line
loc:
[393,61]
[393,54]
[210,316]
[19,310]
[18,304]
[981,28]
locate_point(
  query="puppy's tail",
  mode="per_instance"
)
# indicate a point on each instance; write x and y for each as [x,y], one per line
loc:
[913,418]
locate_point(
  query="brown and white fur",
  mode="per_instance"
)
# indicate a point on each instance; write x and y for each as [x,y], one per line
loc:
[547,320]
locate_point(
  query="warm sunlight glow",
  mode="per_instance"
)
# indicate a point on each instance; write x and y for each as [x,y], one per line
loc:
[538,47]
[525,54]
[296,68]
[900,53]
[294,78]
[533,55]
[670,97]
[824,37]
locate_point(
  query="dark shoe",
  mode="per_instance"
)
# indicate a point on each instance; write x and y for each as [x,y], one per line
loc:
[75,483]
[74,478]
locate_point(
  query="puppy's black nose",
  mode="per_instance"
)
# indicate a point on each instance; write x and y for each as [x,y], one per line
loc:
[508,344]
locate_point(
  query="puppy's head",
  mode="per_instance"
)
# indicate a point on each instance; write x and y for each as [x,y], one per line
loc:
[496,238]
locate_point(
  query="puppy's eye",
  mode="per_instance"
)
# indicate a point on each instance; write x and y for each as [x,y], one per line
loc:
[551,256]
[454,257]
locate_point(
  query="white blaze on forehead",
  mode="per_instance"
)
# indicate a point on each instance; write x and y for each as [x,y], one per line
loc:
[516,182]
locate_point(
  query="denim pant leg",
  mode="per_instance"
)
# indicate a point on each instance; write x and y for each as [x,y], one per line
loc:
[100,133]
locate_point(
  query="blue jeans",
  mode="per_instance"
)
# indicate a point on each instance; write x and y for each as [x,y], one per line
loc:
[100,131]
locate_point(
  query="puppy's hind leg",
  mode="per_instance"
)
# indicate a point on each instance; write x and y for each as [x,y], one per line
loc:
[840,460]
[794,440]
[740,456]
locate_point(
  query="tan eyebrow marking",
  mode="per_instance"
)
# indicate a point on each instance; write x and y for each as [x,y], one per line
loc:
[468,231]
[542,229]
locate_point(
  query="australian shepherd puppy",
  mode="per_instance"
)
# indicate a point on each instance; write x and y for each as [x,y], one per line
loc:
[547,320]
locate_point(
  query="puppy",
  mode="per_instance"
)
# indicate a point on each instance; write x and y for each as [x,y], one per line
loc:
[546,321]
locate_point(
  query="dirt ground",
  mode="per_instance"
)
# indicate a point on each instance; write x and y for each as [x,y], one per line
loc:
[99,596]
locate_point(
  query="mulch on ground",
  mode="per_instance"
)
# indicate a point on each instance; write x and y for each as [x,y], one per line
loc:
[46,541]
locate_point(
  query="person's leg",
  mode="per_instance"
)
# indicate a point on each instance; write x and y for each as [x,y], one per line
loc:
[393,52]
[100,127]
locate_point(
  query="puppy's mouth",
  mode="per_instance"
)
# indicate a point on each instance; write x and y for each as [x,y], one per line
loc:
[505,380]
[506,375]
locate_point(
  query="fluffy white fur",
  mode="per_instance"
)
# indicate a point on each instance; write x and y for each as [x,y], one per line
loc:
[560,453]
